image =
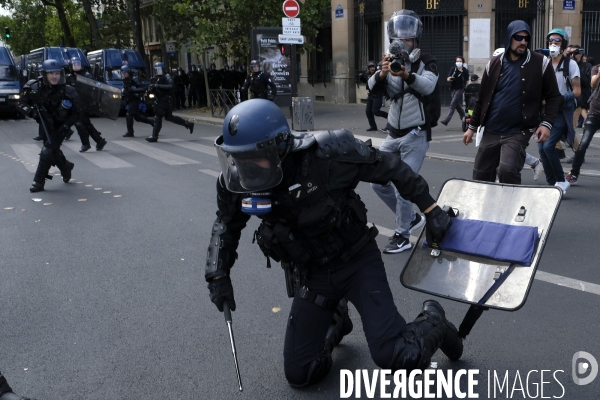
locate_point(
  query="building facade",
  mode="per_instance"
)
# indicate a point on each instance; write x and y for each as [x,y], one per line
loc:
[471,28]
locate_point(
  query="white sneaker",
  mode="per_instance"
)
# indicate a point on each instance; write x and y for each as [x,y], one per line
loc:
[537,170]
[563,186]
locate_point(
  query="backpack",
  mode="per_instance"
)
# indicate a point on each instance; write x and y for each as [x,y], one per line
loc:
[432,102]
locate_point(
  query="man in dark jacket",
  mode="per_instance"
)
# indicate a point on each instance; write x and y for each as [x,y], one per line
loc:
[514,83]
[374,99]
[193,93]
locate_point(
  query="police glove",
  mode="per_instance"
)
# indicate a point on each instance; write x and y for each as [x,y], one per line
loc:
[221,290]
[437,223]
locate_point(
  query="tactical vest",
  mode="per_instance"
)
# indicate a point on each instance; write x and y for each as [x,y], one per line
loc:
[258,86]
[307,225]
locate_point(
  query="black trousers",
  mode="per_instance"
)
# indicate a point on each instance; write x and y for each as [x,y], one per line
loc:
[164,110]
[374,103]
[363,282]
[502,155]
[133,112]
[85,130]
[591,125]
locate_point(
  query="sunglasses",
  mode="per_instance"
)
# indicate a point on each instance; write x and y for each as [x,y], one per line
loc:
[557,40]
[519,38]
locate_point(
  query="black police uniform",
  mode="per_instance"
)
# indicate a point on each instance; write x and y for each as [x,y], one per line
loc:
[133,89]
[374,100]
[85,128]
[162,87]
[6,392]
[318,230]
[58,121]
[193,93]
[259,84]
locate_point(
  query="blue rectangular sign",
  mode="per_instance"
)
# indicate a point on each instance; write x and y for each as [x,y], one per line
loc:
[569,5]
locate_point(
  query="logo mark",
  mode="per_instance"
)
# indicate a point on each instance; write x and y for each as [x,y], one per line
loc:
[581,367]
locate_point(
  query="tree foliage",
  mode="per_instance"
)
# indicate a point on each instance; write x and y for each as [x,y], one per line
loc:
[227,23]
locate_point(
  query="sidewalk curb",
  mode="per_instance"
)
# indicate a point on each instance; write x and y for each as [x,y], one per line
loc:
[199,118]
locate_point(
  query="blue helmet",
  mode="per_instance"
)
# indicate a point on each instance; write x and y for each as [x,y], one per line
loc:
[76,63]
[51,65]
[159,68]
[125,68]
[255,132]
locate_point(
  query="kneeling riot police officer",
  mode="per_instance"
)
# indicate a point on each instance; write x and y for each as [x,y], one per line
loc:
[133,89]
[301,185]
[54,104]
[84,126]
[162,87]
[259,83]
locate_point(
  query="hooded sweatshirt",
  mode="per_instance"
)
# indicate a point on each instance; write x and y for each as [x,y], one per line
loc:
[507,97]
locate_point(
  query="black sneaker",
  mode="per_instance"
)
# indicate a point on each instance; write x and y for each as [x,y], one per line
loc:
[397,244]
[100,146]
[38,138]
[417,222]
[371,129]
[128,135]
[445,123]
[84,148]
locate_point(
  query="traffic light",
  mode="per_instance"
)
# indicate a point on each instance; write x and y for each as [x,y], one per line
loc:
[7,32]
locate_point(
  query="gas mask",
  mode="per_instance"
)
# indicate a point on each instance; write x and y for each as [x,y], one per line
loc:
[401,49]
[554,50]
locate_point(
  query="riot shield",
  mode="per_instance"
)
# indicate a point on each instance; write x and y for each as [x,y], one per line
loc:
[484,282]
[98,98]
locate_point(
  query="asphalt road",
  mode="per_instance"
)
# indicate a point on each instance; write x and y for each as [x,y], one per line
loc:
[103,296]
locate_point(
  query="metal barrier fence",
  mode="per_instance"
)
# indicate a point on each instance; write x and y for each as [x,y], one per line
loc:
[223,100]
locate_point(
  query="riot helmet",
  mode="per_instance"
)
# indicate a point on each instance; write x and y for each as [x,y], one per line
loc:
[125,70]
[371,64]
[76,64]
[193,68]
[255,133]
[159,69]
[53,72]
[405,24]
[254,63]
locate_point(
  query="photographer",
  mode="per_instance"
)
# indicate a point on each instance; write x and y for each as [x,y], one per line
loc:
[374,99]
[408,76]
[458,78]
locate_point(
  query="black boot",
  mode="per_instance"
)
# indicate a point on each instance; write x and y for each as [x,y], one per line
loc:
[452,345]
[152,139]
[128,135]
[6,392]
[100,145]
[85,148]
[66,172]
[421,339]
[38,138]
[41,174]
[190,126]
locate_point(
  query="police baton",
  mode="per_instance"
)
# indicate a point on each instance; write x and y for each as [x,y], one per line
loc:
[43,122]
[227,313]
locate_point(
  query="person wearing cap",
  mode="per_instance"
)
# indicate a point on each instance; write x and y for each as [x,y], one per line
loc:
[374,98]
[514,83]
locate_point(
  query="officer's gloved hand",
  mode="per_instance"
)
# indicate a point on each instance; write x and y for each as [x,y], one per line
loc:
[221,290]
[63,130]
[437,223]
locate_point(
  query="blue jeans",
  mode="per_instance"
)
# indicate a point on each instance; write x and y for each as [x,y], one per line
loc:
[548,154]
[411,149]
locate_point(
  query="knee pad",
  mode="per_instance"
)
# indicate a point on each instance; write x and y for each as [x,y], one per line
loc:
[46,155]
[317,370]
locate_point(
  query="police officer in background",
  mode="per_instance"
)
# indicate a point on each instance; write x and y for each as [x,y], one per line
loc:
[6,392]
[315,224]
[181,83]
[85,128]
[58,111]
[133,90]
[193,95]
[374,99]
[162,88]
[259,83]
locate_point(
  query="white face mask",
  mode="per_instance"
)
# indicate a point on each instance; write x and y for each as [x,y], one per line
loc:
[458,65]
[554,50]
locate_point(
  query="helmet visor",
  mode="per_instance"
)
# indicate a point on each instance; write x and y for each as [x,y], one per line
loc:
[158,70]
[404,27]
[76,65]
[251,170]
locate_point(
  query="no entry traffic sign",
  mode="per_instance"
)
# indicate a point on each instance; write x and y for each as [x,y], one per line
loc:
[291,8]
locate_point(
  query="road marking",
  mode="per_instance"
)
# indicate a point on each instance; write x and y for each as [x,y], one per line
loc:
[210,172]
[157,154]
[539,275]
[31,154]
[101,158]
[210,150]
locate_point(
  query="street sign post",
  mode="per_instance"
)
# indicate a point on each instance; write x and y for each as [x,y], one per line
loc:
[291,8]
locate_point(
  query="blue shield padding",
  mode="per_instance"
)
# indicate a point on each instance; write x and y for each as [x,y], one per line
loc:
[142,107]
[500,242]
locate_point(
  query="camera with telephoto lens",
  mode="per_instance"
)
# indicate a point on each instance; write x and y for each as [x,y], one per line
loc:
[397,61]
[398,55]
